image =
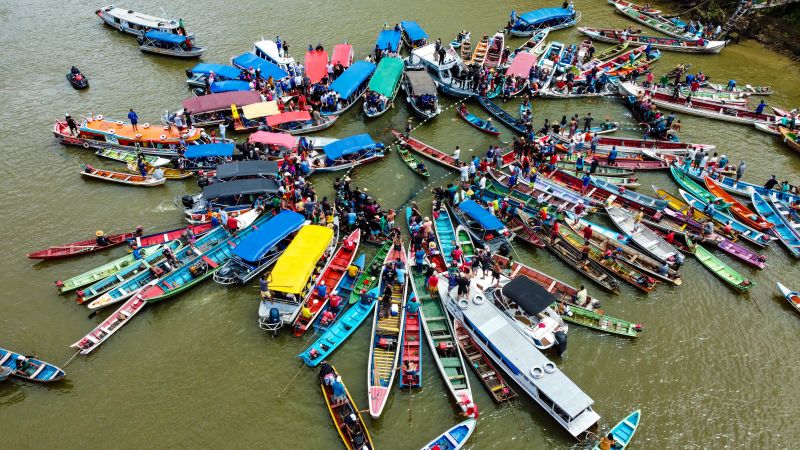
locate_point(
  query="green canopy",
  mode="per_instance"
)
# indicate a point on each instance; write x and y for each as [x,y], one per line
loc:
[386,76]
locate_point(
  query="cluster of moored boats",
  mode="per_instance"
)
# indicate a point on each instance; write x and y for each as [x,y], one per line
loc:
[461,292]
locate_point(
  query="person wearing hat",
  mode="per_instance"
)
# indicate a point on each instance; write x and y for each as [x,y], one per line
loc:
[408,127]
[73,127]
[101,238]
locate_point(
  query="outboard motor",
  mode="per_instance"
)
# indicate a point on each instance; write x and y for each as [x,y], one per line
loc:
[504,249]
[561,339]
[187,201]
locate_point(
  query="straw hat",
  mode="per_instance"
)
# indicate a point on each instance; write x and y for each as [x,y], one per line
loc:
[99,233]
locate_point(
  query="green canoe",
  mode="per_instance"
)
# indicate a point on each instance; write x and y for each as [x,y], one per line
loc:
[106,270]
[411,161]
[719,268]
[596,321]
[695,189]
[370,275]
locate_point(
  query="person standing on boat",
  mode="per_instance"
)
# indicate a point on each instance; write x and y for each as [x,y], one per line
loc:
[181,28]
[760,107]
[134,119]
[73,127]
[222,129]
[740,170]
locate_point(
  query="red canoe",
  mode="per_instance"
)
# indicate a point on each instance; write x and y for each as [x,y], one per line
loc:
[170,235]
[81,247]
[332,275]
[426,150]
[603,195]
[742,212]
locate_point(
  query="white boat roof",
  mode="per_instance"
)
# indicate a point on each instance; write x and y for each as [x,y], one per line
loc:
[505,336]
[428,54]
[270,48]
[140,18]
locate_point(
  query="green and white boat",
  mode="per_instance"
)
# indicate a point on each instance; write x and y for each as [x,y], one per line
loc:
[106,270]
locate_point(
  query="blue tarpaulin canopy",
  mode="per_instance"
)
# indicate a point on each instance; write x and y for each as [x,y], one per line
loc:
[349,146]
[544,14]
[352,78]
[268,69]
[413,30]
[163,36]
[389,37]
[259,242]
[229,86]
[221,70]
[208,150]
[481,215]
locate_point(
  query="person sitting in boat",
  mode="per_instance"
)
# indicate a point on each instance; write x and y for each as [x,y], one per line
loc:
[353,427]
[326,373]
[339,392]
[101,238]
[23,364]
[409,369]
[608,443]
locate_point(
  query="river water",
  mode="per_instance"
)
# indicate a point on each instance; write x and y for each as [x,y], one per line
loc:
[712,369]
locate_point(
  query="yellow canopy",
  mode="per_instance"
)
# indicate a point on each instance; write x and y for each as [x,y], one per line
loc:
[294,267]
[261,109]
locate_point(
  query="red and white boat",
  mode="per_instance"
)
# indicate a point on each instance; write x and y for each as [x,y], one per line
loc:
[426,150]
[635,146]
[330,277]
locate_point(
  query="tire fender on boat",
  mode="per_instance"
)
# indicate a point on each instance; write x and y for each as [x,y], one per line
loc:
[138,136]
[549,367]
[478,299]
[99,117]
[163,137]
[112,131]
[85,145]
[537,372]
[463,303]
[120,123]
[146,126]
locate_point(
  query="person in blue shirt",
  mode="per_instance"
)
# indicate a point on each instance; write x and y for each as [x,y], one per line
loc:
[419,259]
[612,156]
[134,120]
[322,290]
[760,107]
[412,306]
[137,254]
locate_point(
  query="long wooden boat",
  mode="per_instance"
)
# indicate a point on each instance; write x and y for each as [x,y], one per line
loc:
[446,235]
[439,333]
[627,273]
[130,156]
[664,43]
[696,190]
[786,231]
[623,431]
[678,205]
[167,172]
[791,296]
[492,108]
[482,125]
[642,64]
[355,436]
[642,236]
[163,237]
[595,319]
[633,145]
[411,348]
[670,27]
[635,197]
[790,138]
[426,150]
[483,367]
[113,322]
[743,188]
[545,193]
[753,236]
[590,269]
[601,195]
[455,438]
[465,243]
[343,292]
[121,177]
[635,7]
[745,215]
[479,54]
[702,109]
[384,353]
[524,232]
[602,169]
[341,329]
[719,268]
[603,241]
[81,247]
[106,270]
[532,45]
[331,277]
[627,183]
[495,51]
[412,162]
[497,190]
[369,277]
[35,369]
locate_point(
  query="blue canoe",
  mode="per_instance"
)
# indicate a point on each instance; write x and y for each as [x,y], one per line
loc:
[446,235]
[623,432]
[483,125]
[130,286]
[501,114]
[754,236]
[783,229]
[454,438]
[344,290]
[37,369]
[109,282]
[340,330]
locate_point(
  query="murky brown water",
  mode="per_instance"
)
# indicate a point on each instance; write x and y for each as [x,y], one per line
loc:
[712,369]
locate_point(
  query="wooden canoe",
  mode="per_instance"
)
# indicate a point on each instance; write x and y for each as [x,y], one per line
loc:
[36,370]
[754,236]
[642,236]
[331,276]
[748,217]
[685,181]
[484,369]
[482,125]
[169,172]
[98,273]
[719,268]
[411,351]
[791,296]
[426,150]
[357,437]
[368,278]
[170,235]
[790,138]
[481,48]
[411,161]
[623,431]
[81,247]
[112,323]
[453,439]
[786,231]
[121,177]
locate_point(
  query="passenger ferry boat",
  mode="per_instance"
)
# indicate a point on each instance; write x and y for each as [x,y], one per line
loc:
[347,89]
[443,73]
[99,133]
[268,50]
[510,349]
[168,44]
[132,22]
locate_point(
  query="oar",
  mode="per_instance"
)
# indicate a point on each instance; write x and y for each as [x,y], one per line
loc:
[302,364]
[70,360]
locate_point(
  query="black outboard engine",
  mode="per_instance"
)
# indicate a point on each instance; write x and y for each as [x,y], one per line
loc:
[187,201]
[504,249]
[561,345]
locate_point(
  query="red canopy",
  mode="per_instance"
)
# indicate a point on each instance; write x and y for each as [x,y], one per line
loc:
[268,138]
[342,54]
[521,65]
[291,116]
[316,65]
